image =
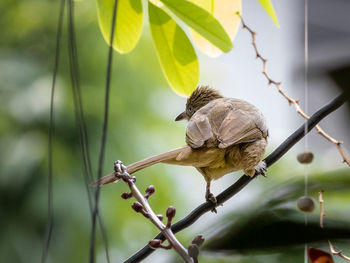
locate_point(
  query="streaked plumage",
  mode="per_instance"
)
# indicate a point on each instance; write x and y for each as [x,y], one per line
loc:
[223,135]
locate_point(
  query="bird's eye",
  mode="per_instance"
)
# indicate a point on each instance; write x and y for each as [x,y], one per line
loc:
[189,109]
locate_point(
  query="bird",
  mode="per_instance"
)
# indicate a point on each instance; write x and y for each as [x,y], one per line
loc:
[223,135]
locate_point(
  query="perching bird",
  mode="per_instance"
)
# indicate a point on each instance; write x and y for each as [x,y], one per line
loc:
[222,135]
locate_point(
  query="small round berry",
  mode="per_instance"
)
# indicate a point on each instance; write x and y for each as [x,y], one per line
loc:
[305,157]
[306,204]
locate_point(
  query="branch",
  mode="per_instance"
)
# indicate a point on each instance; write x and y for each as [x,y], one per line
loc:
[143,207]
[290,100]
[337,253]
[244,180]
[94,214]
[322,213]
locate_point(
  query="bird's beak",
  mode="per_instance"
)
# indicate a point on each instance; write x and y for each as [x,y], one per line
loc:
[181,117]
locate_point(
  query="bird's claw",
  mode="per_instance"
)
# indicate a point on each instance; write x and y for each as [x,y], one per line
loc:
[261,168]
[210,197]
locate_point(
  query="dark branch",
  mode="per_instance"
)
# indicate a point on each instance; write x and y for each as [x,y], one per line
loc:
[80,118]
[50,211]
[95,213]
[244,180]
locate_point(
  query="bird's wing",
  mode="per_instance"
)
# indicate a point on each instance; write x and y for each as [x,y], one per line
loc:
[239,127]
[198,130]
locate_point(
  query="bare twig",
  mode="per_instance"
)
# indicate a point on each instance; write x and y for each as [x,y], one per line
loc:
[322,214]
[143,207]
[290,100]
[244,180]
[337,253]
[193,249]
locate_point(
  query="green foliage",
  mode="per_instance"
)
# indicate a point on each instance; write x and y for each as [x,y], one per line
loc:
[128,25]
[222,10]
[267,5]
[213,26]
[175,52]
[201,21]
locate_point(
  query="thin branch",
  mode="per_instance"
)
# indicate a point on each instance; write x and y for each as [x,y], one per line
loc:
[337,253]
[50,211]
[104,132]
[143,207]
[322,213]
[80,118]
[244,180]
[290,100]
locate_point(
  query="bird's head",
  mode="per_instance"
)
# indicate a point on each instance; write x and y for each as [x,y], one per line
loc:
[200,97]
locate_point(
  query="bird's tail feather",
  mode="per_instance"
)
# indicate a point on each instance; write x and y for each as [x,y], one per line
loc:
[167,157]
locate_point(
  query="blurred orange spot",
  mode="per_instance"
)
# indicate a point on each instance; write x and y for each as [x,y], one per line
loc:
[319,256]
[323,259]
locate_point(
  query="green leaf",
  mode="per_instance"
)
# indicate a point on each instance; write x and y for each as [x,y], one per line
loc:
[267,5]
[128,24]
[175,52]
[223,11]
[200,21]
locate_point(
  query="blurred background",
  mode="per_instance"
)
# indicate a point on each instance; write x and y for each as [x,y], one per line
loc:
[142,112]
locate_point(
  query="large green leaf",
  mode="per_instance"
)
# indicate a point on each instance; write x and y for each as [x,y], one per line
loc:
[267,5]
[175,52]
[223,11]
[128,24]
[200,21]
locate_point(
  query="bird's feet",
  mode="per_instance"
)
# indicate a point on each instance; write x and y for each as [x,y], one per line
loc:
[261,168]
[210,197]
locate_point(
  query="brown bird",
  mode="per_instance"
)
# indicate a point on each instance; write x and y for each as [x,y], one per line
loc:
[223,135]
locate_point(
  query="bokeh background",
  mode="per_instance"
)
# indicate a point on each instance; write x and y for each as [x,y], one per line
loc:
[141,123]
